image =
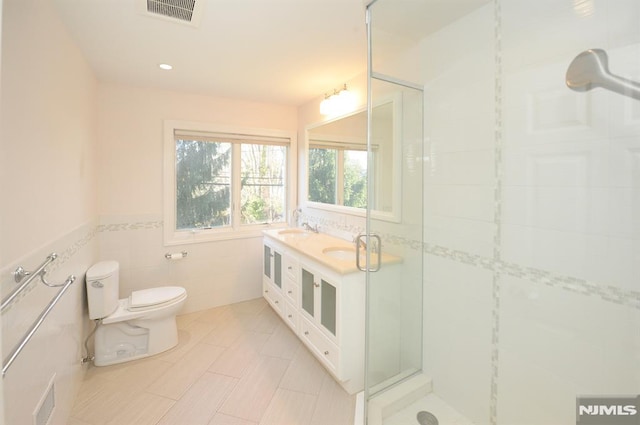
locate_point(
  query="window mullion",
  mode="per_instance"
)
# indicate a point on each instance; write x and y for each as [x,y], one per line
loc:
[236,171]
[340,177]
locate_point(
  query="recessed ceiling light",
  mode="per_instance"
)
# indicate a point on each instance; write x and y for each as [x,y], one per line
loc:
[165,66]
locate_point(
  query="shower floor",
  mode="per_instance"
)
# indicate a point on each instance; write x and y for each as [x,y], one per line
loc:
[431,403]
[400,405]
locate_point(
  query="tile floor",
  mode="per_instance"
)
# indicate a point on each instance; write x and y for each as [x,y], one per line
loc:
[234,365]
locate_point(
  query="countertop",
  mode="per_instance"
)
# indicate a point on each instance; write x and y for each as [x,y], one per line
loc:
[337,254]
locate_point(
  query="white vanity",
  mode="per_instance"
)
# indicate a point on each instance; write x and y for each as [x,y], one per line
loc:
[312,282]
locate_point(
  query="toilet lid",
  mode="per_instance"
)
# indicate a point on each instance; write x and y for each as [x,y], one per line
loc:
[154,296]
[102,269]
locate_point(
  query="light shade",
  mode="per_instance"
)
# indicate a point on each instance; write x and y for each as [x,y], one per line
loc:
[338,103]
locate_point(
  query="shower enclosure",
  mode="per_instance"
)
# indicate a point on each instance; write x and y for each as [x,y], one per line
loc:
[518,218]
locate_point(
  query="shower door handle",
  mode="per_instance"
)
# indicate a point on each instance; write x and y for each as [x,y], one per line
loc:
[375,247]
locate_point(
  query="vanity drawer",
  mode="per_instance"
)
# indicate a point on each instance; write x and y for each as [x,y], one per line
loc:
[291,316]
[274,298]
[291,266]
[324,349]
[291,290]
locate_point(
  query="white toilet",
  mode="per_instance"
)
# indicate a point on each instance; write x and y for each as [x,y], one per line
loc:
[139,326]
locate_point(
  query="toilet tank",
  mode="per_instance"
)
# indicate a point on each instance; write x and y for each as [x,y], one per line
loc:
[103,289]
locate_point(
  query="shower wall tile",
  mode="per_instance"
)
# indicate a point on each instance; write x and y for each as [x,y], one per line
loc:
[457,334]
[467,167]
[459,127]
[460,201]
[552,339]
[539,109]
[538,32]
[622,16]
[467,44]
[623,161]
[530,395]
[561,252]
[565,209]
[576,163]
[471,236]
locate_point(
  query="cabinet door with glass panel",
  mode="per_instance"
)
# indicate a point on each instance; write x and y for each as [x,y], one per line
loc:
[272,265]
[319,300]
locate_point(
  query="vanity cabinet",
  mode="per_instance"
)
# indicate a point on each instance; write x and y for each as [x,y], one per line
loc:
[325,308]
[272,276]
[279,282]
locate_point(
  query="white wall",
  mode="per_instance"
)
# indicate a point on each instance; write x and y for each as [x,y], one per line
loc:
[130,168]
[49,130]
[47,166]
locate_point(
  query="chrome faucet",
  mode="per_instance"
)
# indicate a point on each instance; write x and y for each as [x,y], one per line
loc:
[295,216]
[309,227]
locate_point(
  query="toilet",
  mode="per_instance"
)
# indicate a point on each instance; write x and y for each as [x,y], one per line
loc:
[139,326]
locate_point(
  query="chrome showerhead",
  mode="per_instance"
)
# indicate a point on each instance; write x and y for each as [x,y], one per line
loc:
[588,70]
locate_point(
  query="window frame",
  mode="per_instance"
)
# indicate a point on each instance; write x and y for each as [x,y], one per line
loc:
[236,230]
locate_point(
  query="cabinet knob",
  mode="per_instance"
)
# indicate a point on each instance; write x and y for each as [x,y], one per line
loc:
[317,285]
[289,292]
[290,268]
[289,316]
[306,332]
[266,291]
[326,353]
[276,301]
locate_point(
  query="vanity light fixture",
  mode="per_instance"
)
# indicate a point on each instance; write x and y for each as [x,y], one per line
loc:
[340,102]
[165,66]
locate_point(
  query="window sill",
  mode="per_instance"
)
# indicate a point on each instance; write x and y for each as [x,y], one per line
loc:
[204,236]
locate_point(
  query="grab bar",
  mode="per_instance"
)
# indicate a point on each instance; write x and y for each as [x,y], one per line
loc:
[20,274]
[6,364]
[591,69]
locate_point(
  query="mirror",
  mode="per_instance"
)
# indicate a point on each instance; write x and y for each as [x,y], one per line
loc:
[337,163]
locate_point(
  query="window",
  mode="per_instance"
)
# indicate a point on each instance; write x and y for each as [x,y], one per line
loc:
[223,183]
[338,174]
[203,184]
[263,190]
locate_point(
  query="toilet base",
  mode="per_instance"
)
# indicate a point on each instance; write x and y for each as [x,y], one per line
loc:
[126,341]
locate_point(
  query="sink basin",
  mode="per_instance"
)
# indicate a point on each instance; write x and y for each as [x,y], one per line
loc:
[341,252]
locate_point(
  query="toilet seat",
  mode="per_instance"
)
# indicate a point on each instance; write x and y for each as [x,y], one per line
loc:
[172,296]
[154,297]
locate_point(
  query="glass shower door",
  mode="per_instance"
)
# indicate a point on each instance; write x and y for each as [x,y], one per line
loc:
[395,216]
[394,340]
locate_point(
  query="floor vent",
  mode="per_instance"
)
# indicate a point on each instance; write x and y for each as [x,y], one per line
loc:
[44,410]
[184,11]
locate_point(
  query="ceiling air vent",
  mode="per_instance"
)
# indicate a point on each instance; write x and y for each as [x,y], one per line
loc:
[184,11]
